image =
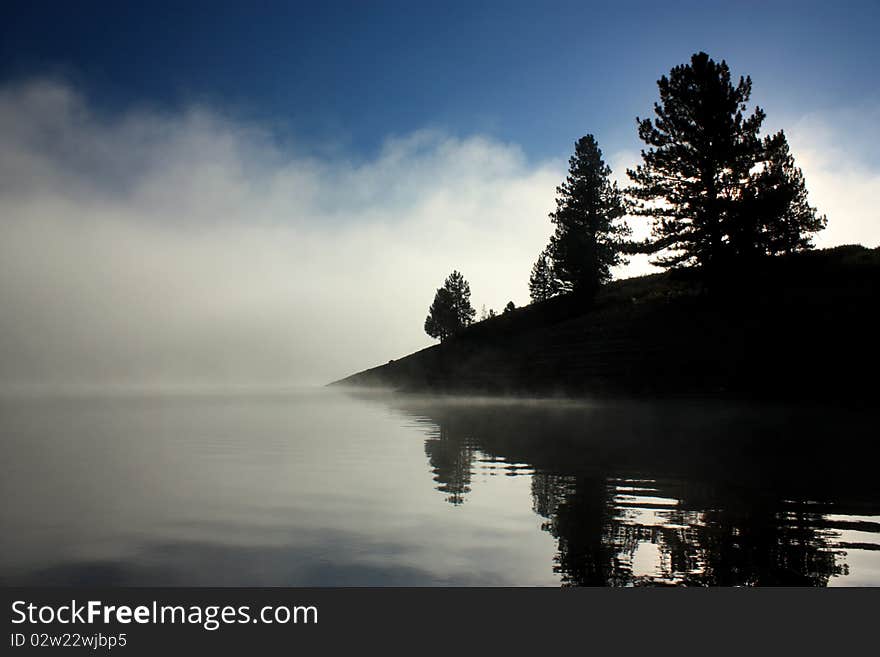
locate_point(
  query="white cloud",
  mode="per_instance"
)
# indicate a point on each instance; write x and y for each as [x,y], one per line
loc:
[836,151]
[150,249]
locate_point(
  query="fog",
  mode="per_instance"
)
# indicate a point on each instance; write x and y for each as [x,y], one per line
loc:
[189,248]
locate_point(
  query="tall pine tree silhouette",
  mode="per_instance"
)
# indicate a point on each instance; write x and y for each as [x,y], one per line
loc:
[587,242]
[702,147]
[718,193]
[785,217]
[542,282]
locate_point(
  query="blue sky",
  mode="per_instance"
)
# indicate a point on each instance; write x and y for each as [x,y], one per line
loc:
[344,76]
[270,193]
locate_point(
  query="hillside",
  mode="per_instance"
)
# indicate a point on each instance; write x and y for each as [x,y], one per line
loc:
[799,326]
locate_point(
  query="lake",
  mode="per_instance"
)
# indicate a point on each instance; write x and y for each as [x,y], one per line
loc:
[331,487]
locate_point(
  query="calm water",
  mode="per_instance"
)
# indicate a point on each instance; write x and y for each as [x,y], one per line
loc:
[326,487]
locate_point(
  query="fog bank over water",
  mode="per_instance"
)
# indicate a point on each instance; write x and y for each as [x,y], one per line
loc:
[189,248]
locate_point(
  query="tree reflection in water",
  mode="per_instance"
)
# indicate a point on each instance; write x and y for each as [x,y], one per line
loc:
[669,493]
[452,461]
[601,525]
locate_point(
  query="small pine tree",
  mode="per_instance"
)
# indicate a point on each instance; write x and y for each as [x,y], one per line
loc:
[587,242]
[440,322]
[509,308]
[543,283]
[451,310]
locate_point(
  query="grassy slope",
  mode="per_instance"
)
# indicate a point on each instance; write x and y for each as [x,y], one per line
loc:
[800,325]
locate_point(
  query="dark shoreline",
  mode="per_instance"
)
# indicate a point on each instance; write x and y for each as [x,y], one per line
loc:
[799,327]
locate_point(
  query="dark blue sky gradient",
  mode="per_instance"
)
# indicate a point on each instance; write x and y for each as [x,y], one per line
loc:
[344,76]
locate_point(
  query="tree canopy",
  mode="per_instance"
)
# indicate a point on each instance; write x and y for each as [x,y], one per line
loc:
[587,241]
[451,310]
[717,191]
[542,282]
[785,218]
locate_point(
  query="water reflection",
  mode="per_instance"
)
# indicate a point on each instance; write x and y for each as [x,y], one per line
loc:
[452,461]
[636,532]
[322,488]
[673,493]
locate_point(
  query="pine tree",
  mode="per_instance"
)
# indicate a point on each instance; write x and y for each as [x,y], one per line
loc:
[451,310]
[785,216]
[587,242]
[440,322]
[542,282]
[695,173]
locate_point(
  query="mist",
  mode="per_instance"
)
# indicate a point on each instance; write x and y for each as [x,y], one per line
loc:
[191,248]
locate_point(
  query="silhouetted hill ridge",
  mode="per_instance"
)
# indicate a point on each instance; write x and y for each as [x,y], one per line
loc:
[799,326]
